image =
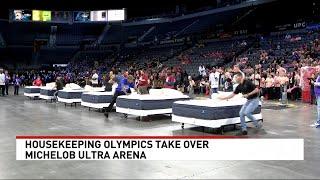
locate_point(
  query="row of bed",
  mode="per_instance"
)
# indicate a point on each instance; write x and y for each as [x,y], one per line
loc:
[212,113]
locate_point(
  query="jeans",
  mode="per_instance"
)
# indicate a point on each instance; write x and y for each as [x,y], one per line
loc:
[113,101]
[55,95]
[247,109]
[143,90]
[16,90]
[2,87]
[214,90]
[7,89]
[318,109]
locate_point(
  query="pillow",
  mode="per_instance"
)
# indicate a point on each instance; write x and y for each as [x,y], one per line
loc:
[72,86]
[171,92]
[156,92]
[88,88]
[51,85]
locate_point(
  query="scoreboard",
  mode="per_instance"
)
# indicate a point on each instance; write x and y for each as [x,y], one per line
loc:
[67,16]
[38,15]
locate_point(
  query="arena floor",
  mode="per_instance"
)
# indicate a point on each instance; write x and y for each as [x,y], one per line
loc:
[21,116]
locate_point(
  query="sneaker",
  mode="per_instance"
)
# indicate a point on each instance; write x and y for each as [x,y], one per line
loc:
[314,125]
[259,125]
[244,133]
[318,126]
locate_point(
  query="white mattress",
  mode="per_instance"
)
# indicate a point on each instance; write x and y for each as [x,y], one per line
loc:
[213,124]
[48,88]
[73,90]
[46,97]
[136,112]
[99,93]
[214,102]
[31,94]
[69,100]
[95,105]
[35,87]
[151,97]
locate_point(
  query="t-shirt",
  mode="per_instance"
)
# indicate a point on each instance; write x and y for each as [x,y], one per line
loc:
[246,87]
[37,82]
[59,84]
[108,87]
[2,79]
[94,78]
[121,83]
[317,88]
[170,80]
[214,79]
[143,80]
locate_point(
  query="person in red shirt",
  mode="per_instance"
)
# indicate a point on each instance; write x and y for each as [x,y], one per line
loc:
[143,83]
[170,81]
[37,82]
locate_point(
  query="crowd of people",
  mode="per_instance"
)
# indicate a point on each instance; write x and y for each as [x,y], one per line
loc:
[272,75]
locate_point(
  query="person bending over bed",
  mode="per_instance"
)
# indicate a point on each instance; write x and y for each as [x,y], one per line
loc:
[118,89]
[59,84]
[249,91]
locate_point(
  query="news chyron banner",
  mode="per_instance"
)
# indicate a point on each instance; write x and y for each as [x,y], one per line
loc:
[156,148]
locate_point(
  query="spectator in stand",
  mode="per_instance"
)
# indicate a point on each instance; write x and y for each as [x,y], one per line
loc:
[269,87]
[312,80]
[37,82]
[94,78]
[214,80]
[292,91]
[284,80]
[191,86]
[170,81]
[7,82]
[256,78]
[202,70]
[228,87]
[130,84]
[2,82]
[16,84]
[277,85]
[202,85]
[263,86]
[317,93]
[156,81]
[143,83]
[106,83]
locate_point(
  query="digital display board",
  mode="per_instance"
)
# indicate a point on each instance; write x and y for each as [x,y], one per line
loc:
[81,16]
[99,15]
[22,15]
[67,16]
[61,16]
[38,15]
[116,15]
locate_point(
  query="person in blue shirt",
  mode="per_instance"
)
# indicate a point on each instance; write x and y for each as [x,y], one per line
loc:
[130,84]
[120,82]
[7,82]
[16,84]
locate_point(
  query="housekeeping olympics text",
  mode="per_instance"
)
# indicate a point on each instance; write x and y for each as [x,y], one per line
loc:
[156,148]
